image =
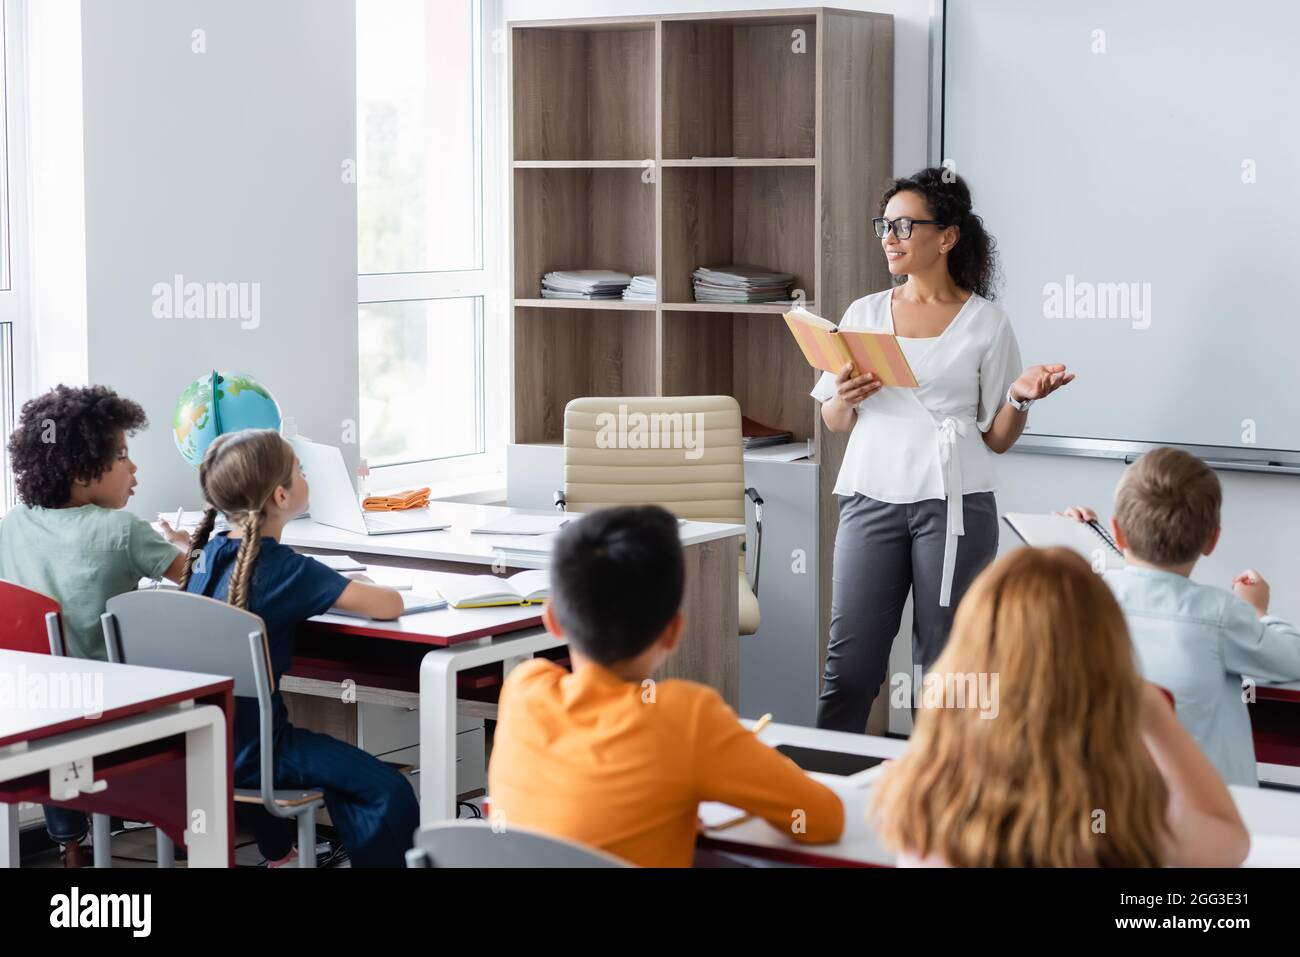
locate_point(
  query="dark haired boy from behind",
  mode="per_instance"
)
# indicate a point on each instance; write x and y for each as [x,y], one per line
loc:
[71,538]
[607,756]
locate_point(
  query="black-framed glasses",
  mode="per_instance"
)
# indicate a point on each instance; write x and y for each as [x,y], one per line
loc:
[902,226]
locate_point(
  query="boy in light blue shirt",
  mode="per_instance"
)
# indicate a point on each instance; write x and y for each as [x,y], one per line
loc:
[72,538]
[1196,640]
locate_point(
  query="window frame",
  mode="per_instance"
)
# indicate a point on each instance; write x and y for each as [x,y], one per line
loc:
[487,283]
[16,340]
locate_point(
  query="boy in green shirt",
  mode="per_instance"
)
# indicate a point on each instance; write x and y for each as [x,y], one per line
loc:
[71,538]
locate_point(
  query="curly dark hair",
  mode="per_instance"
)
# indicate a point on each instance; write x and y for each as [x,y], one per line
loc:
[973,262]
[68,434]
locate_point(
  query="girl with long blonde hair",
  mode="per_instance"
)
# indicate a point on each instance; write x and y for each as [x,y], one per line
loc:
[253,477]
[1078,762]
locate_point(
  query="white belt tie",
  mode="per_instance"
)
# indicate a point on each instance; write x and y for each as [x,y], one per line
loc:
[949,430]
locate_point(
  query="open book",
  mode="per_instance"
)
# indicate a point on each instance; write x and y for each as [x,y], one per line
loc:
[488,591]
[1089,539]
[828,347]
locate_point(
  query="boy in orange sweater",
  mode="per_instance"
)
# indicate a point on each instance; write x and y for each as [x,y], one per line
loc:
[610,758]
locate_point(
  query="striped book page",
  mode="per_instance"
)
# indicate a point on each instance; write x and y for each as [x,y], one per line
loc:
[828,348]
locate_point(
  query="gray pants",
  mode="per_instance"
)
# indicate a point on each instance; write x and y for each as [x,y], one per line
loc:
[881,552]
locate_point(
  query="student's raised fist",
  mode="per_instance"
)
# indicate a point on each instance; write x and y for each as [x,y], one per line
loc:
[1251,587]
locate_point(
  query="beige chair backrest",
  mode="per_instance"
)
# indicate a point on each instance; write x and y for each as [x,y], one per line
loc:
[611,458]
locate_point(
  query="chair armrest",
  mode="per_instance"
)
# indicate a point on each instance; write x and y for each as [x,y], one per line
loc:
[753,496]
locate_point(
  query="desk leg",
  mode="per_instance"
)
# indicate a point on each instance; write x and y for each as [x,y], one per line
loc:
[8,835]
[710,649]
[101,839]
[208,794]
[437,737]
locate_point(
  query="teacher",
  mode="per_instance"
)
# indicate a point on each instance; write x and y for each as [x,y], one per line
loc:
[918,477]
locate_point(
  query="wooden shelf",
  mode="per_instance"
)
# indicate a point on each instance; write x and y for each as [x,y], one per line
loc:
[748,355]
[740,87]
[761,216]
[576,218]
[604,305]
[584,92]
[772,308]
[732,161]
[563,354]
[580,164]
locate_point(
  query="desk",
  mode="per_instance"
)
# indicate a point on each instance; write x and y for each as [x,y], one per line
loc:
[415,661]
[1275,726]
[710,648]
[1272,817]
[134,742]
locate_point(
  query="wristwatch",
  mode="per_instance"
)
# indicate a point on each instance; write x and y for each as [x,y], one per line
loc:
[1018,404]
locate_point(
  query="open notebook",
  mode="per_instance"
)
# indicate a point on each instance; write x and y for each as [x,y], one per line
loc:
[488,591]
[1089,539]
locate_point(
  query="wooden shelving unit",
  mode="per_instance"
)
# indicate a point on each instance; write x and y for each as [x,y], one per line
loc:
[660,144]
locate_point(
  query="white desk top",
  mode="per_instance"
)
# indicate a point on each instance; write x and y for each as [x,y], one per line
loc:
[42,694]
[458,544]
[1272,817]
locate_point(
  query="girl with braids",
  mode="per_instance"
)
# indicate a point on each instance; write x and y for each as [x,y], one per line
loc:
[1082,764]
[918,474]
[253,477]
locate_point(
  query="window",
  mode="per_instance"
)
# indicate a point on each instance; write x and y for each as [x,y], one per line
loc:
[429,244]
[14,333]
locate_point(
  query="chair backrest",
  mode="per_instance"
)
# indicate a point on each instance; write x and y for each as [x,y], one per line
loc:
[165,628]
[704,482]
[29,621]
[479,844]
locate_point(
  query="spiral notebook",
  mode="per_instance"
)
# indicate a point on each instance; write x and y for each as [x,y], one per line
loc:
[1089,539]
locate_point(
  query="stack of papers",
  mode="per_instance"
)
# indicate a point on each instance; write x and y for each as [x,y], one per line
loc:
[585,284]
[641,289]
[757,435]
[523,525]
[741,284]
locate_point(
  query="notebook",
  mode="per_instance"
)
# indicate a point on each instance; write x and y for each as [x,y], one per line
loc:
[411,604]
[827,347]
[488,591]
[340,563]
[523,525]
[1089,539]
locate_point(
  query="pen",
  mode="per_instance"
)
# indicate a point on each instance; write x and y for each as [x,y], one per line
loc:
[761,723]
[180,516]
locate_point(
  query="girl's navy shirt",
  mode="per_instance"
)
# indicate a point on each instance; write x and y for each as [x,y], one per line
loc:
[286,589]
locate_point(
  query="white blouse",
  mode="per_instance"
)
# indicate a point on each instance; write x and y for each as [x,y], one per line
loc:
[910,445]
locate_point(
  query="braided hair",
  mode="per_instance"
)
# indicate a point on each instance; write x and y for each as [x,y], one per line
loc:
[973,261]
[240,473]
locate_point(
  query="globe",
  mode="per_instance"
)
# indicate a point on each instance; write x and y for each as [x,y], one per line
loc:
[216,403]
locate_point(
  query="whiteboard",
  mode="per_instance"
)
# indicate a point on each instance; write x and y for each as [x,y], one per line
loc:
[1117,167]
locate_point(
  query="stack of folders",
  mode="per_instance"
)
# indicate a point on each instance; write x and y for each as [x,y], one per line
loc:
[756,435]
[641,289]
[741,284]
[584,284]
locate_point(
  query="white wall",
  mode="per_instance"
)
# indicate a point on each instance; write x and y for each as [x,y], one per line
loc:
[911,47]
[222,166]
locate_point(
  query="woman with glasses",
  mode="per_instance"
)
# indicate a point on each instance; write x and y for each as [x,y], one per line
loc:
[917,511]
